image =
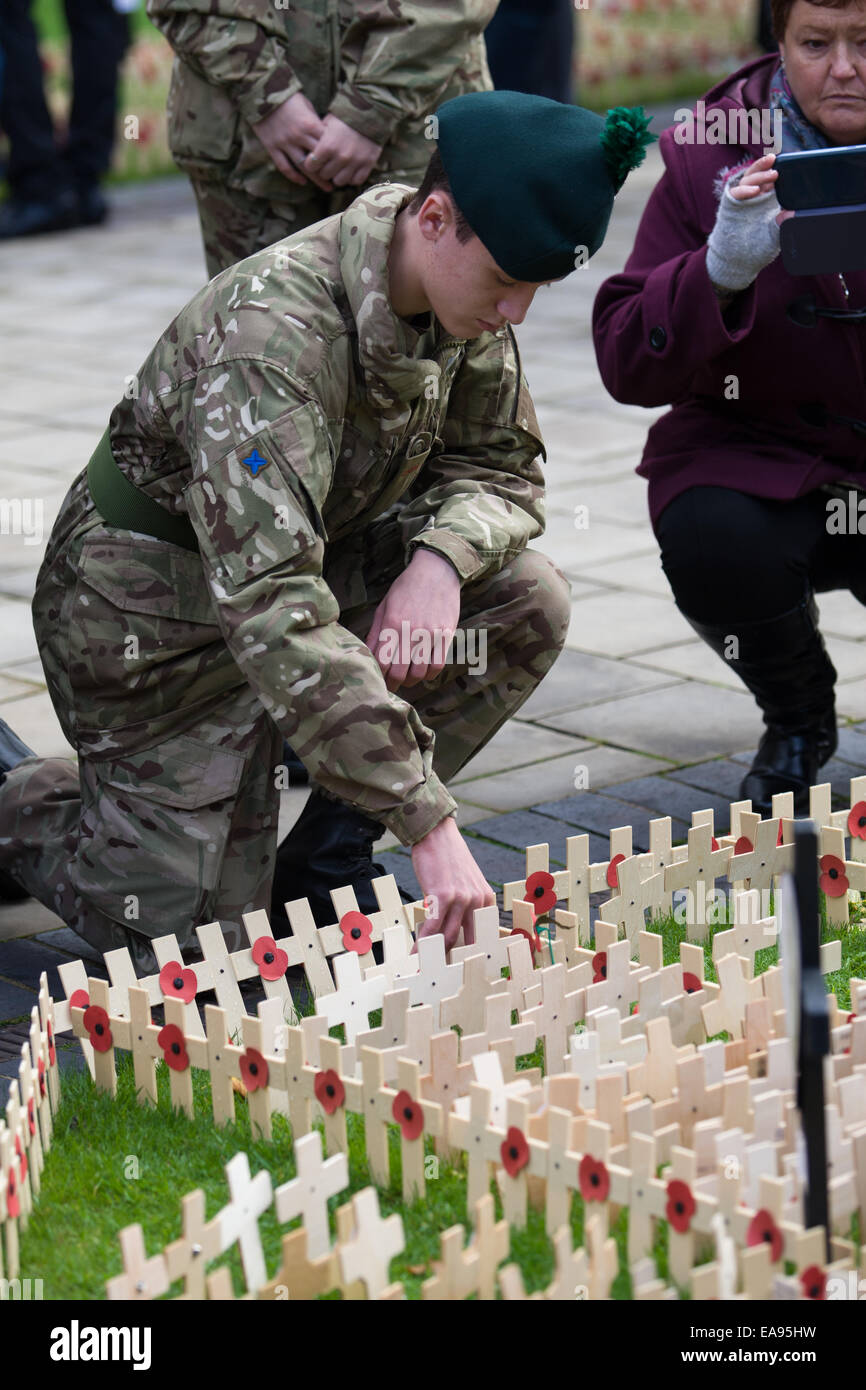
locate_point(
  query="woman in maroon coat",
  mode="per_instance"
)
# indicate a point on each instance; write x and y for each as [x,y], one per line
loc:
[768,389]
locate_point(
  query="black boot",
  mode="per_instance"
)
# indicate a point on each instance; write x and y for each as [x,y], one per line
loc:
[329,846]
[784,663]
[12,752]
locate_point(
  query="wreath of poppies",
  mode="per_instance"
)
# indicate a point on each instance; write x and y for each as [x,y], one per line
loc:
[178,982]
[271,960]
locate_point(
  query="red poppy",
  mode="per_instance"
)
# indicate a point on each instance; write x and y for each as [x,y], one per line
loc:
[540,890]
[612,874]
[681,1205]
[813,1282]
[408,1114]
[172,1042]
[779,837]
[31,1115]
[594,1179]
[531,937]
[330,1091]
[833,880]
[96,1023]
[514,1151]
[79,999]
[13,1206]
[357,932]
[52,1050]
[41,1074]
[177,983]
[691,983]
[857,821]
[714,844]
[272,962]
[763,1230]
[599,967]
[744,846]
[254,1070]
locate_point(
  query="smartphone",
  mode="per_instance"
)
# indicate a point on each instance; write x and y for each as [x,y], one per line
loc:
[831,178]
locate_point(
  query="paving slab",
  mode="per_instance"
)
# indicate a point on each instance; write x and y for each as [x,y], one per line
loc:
[690,722]
[519,829]
[591,767]
[600,813]
[23,962]
[578,679]
[663,797]
[27,918]
[611,624]
[516,745]
[841,614]
[15,1000]
[498,865]
[722,777]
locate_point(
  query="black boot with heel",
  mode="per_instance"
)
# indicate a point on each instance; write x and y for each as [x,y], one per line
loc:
[784,663]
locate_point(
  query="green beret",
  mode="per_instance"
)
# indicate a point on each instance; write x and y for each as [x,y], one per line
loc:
[535,179]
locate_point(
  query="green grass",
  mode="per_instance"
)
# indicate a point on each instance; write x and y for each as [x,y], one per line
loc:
[88,1194]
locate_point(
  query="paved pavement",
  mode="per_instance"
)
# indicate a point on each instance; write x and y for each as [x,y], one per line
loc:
[636,719]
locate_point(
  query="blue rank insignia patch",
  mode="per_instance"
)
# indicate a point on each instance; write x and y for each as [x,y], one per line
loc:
[255,463]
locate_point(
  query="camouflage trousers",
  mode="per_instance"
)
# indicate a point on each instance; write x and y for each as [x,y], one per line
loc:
[235,224]
[134,845]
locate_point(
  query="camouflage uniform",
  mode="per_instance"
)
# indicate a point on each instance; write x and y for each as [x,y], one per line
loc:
[177,674]
[381,66]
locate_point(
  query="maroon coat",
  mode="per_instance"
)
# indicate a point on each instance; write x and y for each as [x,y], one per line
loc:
[660,338]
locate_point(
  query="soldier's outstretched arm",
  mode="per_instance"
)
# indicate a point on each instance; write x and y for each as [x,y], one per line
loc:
[222,42]
[411,50]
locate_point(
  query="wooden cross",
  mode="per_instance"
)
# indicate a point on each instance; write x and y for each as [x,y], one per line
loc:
[469,1133]
[521,972]
[750,933]
[299,1277]
[642,1163]
[638,893]
[304,947]
[367,1256]
[554,1018]
[702,866]
[466,1008]
[435,980]
[446,1080]
[377,1101]
[187,1258]
[461,1272]
[557,1151]
[760,866]
[239,1221]
[662,854]
[586,1064]
[409,1082]
[390,1037]
[223,1063]
[336,1132]
[487,940]
[307,1194]
[520,1038]
[166,950]
[840,819]
[619,987]
[354,998]
[104,1068]
[399,960]
[142,1279]
[727,1013]
[49,1027]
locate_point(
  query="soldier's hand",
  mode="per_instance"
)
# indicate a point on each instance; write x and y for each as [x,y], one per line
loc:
[289,134]
[343,156]
[452,882]
[426,598]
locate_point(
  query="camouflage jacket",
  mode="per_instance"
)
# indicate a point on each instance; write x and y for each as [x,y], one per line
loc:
[295,357]
[380,65]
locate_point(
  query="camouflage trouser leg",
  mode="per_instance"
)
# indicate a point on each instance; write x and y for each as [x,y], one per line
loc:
[235,224]
[515,624]
[155,842]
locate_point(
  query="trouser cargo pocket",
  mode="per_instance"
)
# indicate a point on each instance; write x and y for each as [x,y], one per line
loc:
[153,833]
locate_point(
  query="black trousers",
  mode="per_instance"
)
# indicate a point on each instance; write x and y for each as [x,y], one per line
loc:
[530,44]
[731,558]
[37,170]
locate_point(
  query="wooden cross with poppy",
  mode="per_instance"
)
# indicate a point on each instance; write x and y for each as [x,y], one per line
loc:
[338,1092]
[142,1279]
[417,1118]
[28,1090]
[853,819]
[460,1272]
[616,984]
[40,1058]
[269,959]
[177,981]
[22,1176]
[223,1063]
[307,1194]
[837,875]
[771,855]
[89,1015]
[640,890]
[704,863]
[188,1257]
[367,1255]
[257,1076]
[339,936]
[515,1156]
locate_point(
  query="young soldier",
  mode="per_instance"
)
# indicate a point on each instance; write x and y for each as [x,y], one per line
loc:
[282,114]
[331,443]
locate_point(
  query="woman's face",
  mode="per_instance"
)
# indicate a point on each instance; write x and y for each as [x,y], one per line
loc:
[825,59]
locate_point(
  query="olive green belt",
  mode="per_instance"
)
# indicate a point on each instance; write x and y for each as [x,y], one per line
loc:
[120,503]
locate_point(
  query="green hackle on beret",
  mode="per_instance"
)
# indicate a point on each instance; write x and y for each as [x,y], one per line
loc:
[536,179]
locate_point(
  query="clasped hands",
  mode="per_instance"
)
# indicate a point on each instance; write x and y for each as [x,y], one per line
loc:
[307,148]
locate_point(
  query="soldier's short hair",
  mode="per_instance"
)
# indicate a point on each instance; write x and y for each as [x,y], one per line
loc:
[436,181]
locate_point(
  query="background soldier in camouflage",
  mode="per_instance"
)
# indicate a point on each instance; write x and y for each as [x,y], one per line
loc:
[281,115]
[342,426]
